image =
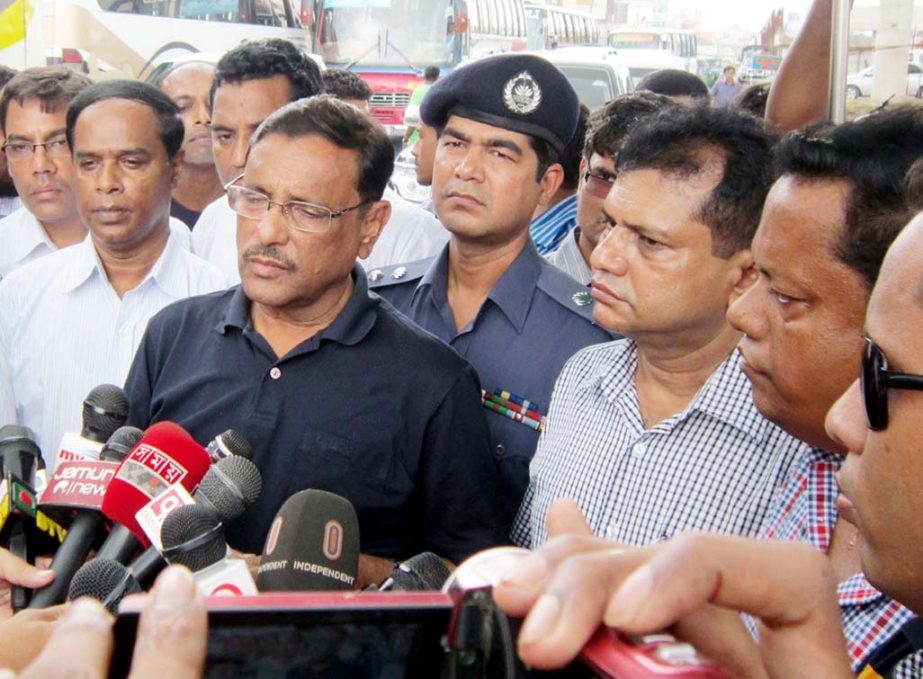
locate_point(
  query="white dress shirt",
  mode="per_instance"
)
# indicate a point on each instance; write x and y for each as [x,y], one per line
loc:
[9,205]
[569,259]
[64,330]
[24,239]
[411,233]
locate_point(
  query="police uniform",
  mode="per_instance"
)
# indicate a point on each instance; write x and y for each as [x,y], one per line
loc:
[536,317]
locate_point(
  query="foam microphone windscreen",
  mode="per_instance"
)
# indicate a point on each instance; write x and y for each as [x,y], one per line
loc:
[105,409]
[19,453]
[105,580]
[313,545]
[166,455]
[230,486]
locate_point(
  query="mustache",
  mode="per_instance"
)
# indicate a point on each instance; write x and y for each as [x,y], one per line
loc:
[271,253]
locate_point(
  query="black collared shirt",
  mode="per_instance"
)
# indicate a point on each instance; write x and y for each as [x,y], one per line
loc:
[371,408]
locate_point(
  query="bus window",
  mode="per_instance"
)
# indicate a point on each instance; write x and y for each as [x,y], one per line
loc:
[492,17]
[504,18]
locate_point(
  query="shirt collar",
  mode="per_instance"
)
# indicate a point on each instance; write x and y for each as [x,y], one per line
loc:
[168,271]
[512,293]
[726,394]
[350,326]
[32,235]
[562,209]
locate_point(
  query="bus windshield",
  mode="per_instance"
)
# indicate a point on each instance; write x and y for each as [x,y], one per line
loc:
[408,33]
[637,41]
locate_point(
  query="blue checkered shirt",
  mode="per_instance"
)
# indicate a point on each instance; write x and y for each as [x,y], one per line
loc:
[805,511]
[550,227]
[715,466]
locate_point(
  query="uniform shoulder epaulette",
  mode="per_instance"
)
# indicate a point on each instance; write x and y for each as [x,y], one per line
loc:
[398,274]
[567,292]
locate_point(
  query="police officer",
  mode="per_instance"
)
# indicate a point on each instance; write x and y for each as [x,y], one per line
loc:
[504,123]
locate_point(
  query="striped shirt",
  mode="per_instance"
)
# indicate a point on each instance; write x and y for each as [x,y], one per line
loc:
[805,511]
[569,259]
[25,240]
[715,466]
[64,330]
[550,227]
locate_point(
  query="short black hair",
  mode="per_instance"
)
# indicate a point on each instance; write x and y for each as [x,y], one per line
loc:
[6,74]
[753,99]
[53,86]
[343,125]
[171,126]
[260,59]
[681,141]
[913,186]
[672,82]
[574,151]
[431,74]
[608,124]
[873,155]
[344,84]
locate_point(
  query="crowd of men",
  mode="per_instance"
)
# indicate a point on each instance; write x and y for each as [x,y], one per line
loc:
[606,330]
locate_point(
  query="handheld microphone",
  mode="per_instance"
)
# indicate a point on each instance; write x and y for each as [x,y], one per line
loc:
[313,545]
[193,536]
[227,489]
[228,443]
[421,573]
[166,454]
[81,486]
[19,455]
[105,580]
[105,409]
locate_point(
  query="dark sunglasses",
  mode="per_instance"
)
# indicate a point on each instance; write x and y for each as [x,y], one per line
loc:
[597,185]
[876,379]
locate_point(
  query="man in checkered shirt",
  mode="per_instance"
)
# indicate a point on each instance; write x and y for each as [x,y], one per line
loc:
[836,207]
[657,433]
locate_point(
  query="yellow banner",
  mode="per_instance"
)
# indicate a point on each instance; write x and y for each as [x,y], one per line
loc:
[14,17]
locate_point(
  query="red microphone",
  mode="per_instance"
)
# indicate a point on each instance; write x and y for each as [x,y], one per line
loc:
[166,455]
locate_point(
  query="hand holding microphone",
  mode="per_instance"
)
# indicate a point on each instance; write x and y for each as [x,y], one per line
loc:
[17,571]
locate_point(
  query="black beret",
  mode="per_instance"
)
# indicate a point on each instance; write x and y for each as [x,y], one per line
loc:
[519,92]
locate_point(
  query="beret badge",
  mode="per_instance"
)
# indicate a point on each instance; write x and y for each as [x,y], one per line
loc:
[521,94]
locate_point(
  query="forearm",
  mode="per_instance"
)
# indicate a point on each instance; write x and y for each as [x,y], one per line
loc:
[799,95]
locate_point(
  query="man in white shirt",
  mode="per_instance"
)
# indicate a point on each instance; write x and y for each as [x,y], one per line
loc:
[73,319]
[251,81]
[32,112]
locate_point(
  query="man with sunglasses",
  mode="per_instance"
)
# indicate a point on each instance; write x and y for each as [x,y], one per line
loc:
[606,128]
[837,204]
[334,389]
[697,584]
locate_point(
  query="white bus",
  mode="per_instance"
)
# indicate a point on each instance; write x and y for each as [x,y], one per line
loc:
[681,43]
[130,38]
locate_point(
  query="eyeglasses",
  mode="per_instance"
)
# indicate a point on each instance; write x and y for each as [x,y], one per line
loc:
[876,379]
[597,185]
[22,150]
[301,216]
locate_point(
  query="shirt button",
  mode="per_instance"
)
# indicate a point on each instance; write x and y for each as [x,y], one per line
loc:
[639,449]
[500,451]
[275,373]
[611,531]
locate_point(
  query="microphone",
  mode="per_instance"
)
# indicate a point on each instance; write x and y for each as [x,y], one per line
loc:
[193,536]
[81,486]
[105,409]
[421,573]
[227,489]
[166,455]
[105,580]
[228,443]
[313,545]
[19,455]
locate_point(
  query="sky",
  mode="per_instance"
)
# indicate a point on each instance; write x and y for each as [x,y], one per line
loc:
[751,14]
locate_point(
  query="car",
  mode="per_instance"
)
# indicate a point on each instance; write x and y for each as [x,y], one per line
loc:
[860,84]
[596,73]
